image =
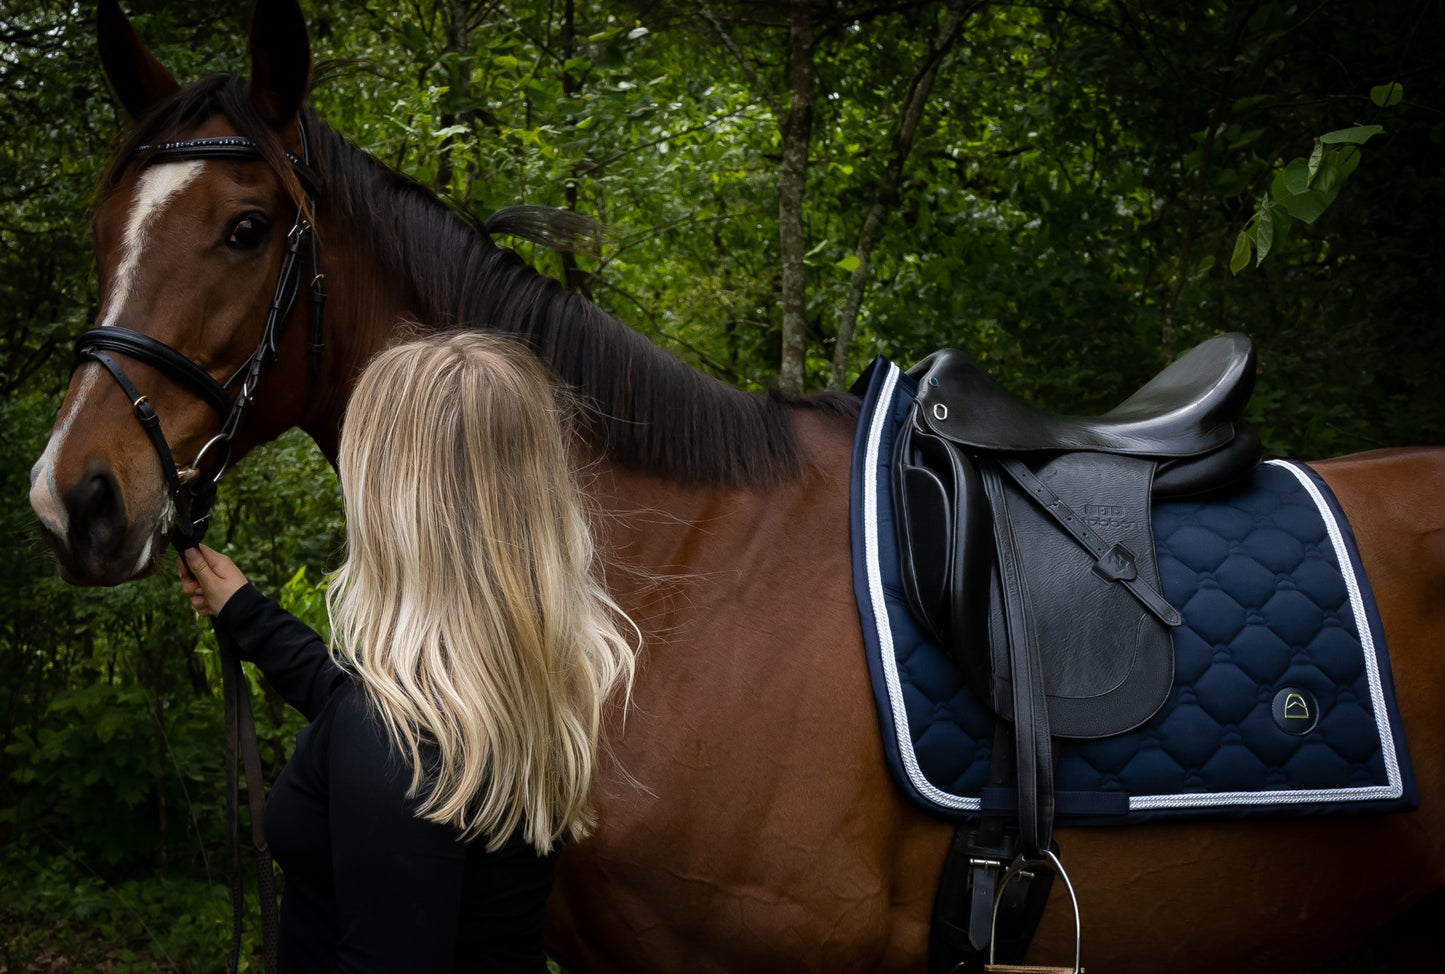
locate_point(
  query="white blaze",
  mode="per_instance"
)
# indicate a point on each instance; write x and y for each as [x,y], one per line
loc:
[157,186]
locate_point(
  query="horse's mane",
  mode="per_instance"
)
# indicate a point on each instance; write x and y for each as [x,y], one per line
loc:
[652,412]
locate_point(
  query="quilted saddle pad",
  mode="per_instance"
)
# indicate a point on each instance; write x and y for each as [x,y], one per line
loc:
[1282,701]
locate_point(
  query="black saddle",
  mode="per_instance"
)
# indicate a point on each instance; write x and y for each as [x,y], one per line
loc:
[1027,547]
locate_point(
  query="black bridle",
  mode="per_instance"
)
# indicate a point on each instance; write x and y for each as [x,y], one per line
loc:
[192,492]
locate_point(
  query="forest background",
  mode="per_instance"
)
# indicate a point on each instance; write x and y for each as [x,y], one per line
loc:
[1059,188]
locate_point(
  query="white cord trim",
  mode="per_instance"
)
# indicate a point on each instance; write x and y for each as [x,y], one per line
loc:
[882,413]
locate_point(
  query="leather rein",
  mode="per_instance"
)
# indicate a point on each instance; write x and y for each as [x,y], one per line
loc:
[192,491]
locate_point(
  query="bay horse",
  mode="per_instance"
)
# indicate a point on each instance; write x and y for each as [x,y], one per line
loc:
[747,821]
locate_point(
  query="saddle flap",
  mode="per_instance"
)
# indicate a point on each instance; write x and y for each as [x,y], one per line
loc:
[1107,662]
[924,514]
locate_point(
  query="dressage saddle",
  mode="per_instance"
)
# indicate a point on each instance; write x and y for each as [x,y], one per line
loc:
[1027,551]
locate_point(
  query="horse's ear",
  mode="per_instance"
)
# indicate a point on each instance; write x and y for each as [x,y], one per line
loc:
[139,80]
[280,59]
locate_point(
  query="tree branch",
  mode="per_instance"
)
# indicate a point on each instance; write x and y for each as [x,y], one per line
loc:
[886,192]
[765,92]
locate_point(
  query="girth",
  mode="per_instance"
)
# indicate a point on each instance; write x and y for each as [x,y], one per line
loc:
[1026,550]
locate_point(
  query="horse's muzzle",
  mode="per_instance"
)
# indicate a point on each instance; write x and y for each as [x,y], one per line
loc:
[94,543]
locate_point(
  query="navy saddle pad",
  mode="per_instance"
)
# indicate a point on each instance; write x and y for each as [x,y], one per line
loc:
[1282,702]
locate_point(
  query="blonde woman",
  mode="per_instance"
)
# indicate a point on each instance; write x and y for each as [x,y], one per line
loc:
[454,723]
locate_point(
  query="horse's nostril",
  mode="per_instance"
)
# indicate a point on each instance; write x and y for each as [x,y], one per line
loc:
[99,492]
[97,514]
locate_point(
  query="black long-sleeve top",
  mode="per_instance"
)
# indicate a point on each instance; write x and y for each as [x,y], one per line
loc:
[369,887]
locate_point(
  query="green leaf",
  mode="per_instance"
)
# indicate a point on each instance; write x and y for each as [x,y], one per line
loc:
[1306,207]
[1315,157]
[1347,160]
[1297,176]
[1282,224]
[1335,169]
[1240,260]
[1357,135]
[1387,95]
[1263,231]
[1277,187]
[849,263]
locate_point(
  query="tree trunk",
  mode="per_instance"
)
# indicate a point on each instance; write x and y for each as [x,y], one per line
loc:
[797,133]
[459,80]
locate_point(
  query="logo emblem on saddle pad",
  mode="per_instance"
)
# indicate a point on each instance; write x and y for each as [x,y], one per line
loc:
[1295,710]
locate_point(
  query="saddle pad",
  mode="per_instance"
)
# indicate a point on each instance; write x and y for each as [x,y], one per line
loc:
[1282,702]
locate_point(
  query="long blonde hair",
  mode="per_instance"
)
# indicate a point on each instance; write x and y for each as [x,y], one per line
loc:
[470,604]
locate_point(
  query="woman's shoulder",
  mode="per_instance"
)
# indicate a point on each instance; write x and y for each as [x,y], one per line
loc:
[362,748]
[353,720]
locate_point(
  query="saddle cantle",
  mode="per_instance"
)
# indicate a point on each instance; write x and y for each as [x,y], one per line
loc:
[1026,550]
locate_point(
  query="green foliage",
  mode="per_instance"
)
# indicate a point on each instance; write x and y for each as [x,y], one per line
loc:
[1076,191]
[1305,188]
[61,917]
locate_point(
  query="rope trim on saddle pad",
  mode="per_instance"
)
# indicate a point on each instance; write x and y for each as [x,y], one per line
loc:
[1279,621]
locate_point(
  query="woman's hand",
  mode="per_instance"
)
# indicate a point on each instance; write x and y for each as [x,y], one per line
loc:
[208,579]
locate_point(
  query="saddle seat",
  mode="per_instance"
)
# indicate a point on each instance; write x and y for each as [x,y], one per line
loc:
[1192,407]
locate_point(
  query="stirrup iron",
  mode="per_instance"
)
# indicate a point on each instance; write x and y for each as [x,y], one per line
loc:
[1051,861]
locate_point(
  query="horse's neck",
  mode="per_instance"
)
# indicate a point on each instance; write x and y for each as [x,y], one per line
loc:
[394,258]
[368,303]
[659,535]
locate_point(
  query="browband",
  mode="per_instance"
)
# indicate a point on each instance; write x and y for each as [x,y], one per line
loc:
[229,147]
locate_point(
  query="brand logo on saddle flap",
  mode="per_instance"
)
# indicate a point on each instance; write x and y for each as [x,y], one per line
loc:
[1295,710]
[1107,516]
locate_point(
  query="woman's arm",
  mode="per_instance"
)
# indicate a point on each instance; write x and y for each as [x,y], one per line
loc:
[289,652]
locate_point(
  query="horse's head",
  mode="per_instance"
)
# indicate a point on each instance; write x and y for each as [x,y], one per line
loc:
[191,233]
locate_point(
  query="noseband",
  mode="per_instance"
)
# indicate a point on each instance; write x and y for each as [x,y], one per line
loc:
[192,492]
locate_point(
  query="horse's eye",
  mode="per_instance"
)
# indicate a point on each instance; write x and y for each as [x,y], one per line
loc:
[248,232]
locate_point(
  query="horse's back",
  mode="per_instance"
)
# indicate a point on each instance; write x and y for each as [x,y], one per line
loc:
[1395,503]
